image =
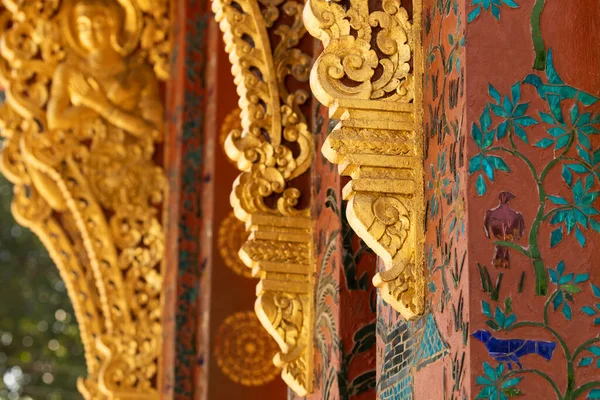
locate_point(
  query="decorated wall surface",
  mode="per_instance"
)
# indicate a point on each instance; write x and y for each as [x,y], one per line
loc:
[511,102]
[186,281]
[532,155]
[447,260]
[429,358]
[511,96]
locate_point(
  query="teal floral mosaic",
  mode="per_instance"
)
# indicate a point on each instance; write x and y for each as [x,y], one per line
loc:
[497,141]
[492,6]
[553,145]
[496,384]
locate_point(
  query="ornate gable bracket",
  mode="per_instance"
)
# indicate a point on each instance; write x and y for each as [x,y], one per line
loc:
[369,75]
[80,124]
[273,148]
[279,251]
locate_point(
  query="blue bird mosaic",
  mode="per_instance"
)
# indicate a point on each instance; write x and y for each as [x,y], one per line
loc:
[511,351]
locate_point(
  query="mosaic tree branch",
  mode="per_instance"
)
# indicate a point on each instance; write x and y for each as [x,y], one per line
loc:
[536,34]
[570,392]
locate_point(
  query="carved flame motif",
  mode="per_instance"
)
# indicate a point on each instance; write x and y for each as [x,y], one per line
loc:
[370,75]
[273,147]
[81,120]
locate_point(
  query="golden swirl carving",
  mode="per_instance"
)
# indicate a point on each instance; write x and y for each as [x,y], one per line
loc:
[82,118]
[272,148]
[370,74]
[233,121]
[347,67]
[244,351]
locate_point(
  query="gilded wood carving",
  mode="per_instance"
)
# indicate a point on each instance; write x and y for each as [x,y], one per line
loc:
[369,75]
[82,118]
[273,148]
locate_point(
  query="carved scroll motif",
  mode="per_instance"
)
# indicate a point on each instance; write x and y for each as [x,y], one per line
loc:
[273,148]
[369,75]
[80,123]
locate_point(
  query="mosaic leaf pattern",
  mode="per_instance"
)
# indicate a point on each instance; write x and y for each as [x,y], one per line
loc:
[562,134]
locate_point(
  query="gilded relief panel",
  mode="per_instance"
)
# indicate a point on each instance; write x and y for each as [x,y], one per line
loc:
[81,123]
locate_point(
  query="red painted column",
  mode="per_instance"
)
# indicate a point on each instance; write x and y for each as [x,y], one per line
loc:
[429,358]
[533,190]
[446,337]
[511,102]
[183,373]
[512,96]
[213,346]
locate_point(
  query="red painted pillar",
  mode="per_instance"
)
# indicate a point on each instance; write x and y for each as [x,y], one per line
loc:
[183,371]
[533,188]
[213,345]
[512,95]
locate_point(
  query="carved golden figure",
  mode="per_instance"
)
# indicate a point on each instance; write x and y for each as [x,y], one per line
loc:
[113,101]
[82,117]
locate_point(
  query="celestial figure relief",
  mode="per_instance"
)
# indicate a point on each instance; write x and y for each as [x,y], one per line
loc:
[512,350]
[504,224]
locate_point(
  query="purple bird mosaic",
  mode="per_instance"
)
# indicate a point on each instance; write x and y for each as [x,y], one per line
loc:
[503,223]
[511,351]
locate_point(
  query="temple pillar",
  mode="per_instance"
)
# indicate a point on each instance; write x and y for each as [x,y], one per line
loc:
[510,101]
[532,101]
[214,347]
[511,104]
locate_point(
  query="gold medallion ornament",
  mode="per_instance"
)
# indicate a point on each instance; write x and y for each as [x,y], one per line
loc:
[244,350]
[232,235]
[370,77]
[81,121]
[272,148]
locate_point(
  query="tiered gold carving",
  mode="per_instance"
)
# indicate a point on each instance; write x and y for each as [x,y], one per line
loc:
[370,75]
[80,123]
[273,147]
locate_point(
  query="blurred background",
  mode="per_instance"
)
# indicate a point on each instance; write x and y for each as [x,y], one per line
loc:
[41,354]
